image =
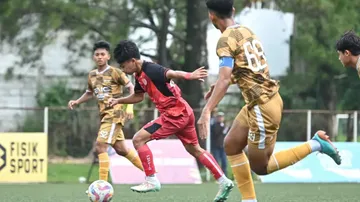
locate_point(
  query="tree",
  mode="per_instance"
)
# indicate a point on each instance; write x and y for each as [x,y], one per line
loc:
[318,25]
[195,48]
[38,23]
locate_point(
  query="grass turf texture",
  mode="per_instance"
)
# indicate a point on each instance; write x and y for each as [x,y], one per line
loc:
[193,193]
[63,186]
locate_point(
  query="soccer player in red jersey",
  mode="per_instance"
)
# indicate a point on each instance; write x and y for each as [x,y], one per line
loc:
[177,117]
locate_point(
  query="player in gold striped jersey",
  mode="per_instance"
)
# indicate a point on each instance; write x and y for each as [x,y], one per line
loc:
[107,82]
[243,62]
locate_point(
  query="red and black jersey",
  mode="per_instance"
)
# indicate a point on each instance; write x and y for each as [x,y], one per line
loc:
[163,92]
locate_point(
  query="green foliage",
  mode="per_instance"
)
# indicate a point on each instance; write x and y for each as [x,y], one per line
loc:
[66,135]
[31,25]
[319,24]
[321,83]
[58,94]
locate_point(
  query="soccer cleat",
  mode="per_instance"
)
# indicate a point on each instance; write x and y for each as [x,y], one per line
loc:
[327,146]
[224,191]
[151,184]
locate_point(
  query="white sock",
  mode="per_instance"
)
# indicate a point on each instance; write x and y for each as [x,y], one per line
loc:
[250,200]
[222,179]
[152,177]
[315,145]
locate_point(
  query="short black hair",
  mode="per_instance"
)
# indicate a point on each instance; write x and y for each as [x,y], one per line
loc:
[222,8]
[349,41]
[126,50]
[102,44]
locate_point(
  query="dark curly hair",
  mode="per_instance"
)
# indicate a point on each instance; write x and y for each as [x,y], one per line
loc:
[101,44]
[349,41]
[222,8]
[126,50]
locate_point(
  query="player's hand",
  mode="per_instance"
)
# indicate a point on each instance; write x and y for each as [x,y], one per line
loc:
[72,104]
[208,94]
[199,74]
[113,101]
[204,124]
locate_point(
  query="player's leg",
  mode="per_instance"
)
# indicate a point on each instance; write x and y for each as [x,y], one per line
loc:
[105,136]
[189,139]
[122,150]
[156,129]
[264,122]
[234,144]
[151,183]
[205,158]
[101,147]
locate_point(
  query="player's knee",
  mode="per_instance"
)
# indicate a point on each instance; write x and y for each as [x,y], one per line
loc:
[230,146]
[259,170]
[121,151]
[138,141]
[101,147]
[194,150]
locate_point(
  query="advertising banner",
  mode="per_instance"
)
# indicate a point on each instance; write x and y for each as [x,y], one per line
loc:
[23,157]
[172,162]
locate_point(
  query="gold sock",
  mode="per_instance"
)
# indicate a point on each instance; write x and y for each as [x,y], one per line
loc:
[288,157]
[134,159]
[242,174]
[104,164]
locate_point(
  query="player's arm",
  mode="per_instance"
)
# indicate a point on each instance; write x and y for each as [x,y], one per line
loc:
[131,99]
[130,88]
[198,74]
[84,98]
[136,97]
[222,83]
[123,80]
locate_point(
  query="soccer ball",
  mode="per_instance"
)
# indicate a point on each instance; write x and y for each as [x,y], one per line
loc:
[100,191]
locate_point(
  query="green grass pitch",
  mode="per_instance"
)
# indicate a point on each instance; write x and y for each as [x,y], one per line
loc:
[179,193]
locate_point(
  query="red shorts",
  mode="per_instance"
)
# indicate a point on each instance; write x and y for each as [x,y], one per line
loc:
[182,126]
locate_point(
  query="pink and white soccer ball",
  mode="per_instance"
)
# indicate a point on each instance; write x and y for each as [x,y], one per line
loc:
[100,191]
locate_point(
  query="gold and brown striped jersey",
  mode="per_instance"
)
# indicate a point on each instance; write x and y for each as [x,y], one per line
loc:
[251,70]
[108,84]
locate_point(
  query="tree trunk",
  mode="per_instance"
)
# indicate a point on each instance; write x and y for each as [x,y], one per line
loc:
[195,49]
[162,34]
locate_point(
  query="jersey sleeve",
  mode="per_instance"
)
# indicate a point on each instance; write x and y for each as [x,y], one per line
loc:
[226,45]
[121,77]
[157,74]
[89,85]
[138,88]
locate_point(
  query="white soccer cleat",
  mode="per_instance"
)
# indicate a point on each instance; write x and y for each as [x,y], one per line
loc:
[225,188]
[151,184]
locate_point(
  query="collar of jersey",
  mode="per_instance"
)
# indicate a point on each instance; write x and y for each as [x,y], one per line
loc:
[233,26]
[108,67]
[358,64]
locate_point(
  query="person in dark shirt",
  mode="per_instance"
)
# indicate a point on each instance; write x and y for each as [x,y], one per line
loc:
[218,133]
[176,115]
